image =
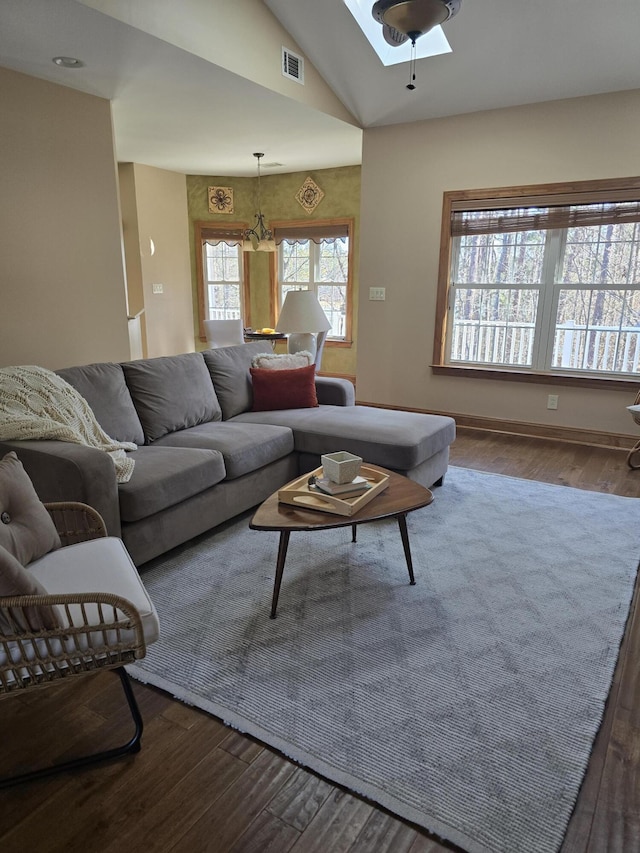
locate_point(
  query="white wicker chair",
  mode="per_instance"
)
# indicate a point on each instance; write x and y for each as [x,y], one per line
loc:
[105,629]
[224,333]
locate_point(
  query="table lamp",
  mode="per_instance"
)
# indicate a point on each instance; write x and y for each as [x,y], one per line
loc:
[301,318]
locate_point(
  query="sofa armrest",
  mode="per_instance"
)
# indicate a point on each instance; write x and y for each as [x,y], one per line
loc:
[63,471]
[333,391]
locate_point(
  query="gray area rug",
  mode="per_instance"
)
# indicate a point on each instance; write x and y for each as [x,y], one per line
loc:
[468,703]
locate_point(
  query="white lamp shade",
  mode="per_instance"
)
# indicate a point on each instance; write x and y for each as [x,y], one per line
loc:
[302,312]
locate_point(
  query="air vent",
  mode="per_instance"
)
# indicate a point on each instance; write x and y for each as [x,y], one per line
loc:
[292,66]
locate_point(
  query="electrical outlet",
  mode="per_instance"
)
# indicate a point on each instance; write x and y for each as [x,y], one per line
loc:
[157,288]
[377,294]
[552,401]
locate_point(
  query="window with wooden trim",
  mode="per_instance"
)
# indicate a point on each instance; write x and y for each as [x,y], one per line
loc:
[222,273]
[318,256]
[542,283]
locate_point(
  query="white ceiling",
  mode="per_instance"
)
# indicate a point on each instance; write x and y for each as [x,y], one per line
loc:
[180,112]
[505,52]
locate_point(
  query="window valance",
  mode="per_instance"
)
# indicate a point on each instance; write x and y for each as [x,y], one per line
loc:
[232,236]
[314,232]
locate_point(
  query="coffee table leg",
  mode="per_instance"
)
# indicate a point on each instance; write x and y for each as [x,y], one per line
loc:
[354,527]
[282,556]
[404,533]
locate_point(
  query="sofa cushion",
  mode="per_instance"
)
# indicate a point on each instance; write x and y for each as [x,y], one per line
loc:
[394,439]
[283,389]
[245,447]
[26,529]
[165,476]
[171,392]
[229,369]
[103,387]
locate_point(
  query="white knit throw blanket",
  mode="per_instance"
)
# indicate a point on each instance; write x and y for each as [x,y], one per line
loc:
[37,403]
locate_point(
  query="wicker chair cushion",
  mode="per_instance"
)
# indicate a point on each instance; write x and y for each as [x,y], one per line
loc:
[91,635]
[104,565]
[26,529]
[16,580]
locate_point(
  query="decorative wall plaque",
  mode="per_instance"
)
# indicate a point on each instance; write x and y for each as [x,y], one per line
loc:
[220,199]
[309,195]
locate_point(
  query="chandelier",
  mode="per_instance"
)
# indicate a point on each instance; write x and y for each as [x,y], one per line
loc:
[259,238]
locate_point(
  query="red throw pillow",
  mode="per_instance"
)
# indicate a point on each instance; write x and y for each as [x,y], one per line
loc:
[284,389]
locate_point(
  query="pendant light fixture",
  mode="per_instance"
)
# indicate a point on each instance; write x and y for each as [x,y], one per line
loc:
[259,238]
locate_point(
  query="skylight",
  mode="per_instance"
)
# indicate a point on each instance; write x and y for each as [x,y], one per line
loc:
[432,43]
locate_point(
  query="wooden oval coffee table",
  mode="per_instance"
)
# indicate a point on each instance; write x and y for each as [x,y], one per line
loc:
[399,498]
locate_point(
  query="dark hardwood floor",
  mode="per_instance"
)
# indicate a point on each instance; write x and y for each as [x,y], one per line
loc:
[199,786]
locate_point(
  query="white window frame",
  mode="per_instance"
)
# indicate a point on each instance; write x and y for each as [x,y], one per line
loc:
[212,232]
[211,312]
[342,227]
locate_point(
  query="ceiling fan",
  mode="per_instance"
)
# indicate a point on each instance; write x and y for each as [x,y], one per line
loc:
[409,19]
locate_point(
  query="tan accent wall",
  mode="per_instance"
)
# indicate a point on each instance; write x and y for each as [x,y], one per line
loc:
[154,210]
[405,170]
[61,264]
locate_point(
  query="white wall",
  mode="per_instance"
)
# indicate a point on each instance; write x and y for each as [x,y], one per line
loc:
[405,170]
[61,267]
[242,36]
[154,208]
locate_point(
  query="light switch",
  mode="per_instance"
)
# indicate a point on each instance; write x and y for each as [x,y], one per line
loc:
[157,288]
[377,294]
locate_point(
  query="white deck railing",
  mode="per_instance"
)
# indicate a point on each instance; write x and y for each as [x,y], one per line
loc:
[605,348]
[224,314]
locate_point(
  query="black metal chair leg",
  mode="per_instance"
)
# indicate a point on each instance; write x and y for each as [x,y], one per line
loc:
[132,745]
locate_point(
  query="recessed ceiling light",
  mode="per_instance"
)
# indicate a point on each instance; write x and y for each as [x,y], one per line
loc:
[67,62]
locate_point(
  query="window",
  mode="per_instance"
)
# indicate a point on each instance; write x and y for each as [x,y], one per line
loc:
[318,257]
[222,273]
[543,284]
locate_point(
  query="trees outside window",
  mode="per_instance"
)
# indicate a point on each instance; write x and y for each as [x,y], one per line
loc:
[222,273]
[318,256]
[223,280]
[545,284]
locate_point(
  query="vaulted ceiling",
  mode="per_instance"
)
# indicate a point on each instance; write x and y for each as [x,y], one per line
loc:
[196,86]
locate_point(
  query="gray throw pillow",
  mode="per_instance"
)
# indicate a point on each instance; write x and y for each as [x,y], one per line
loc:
[16,580]
[26,529]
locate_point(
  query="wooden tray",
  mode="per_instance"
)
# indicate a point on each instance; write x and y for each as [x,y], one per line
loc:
[297,493]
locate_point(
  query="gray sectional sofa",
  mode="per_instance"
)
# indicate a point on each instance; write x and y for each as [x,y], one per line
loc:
[203,455]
